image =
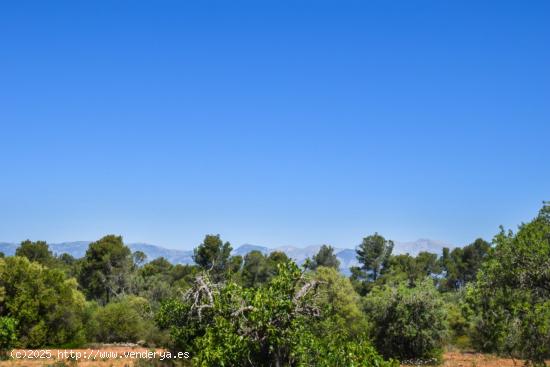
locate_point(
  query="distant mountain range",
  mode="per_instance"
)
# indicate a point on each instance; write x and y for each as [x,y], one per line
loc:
[78,249]
[299,254]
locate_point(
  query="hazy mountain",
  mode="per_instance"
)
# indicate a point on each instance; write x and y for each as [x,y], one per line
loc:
[246,248]
[347,257]
[422,244]
[8,249]
[299,254]
[153,252]
[78,249]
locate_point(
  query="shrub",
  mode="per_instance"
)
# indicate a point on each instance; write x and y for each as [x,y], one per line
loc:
[47,306]
[332,351]
[342,313]
[408,323]
[8,335]
[512,293]
[272,325]
[123,320]
[459,318]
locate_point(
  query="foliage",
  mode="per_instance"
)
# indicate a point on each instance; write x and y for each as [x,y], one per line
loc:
[340,303]
[258,269]
[407,322]
[106,269]
[47,306]
[412,269]
[123,320]
[255,270]
[266,326]
[331,351]
[235,264]
[512,292]
[373,254]
[213,255]
[139,258]
[35,251]
[183,275]
[460,319]
[8,335]
[462,264]
[262,310]
[275,259]
[325,257]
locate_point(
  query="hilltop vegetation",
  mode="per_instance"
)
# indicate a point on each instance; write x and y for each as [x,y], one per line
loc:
[264,310]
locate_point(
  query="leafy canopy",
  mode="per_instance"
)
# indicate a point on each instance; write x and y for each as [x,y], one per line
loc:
[272,325]
[213,255]
[512,292]
[106,269]
[47,306]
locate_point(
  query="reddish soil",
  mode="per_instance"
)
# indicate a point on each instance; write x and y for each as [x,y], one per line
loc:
[461,359]
[451,359]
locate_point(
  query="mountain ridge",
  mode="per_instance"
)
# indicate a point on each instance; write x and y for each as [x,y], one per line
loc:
[299,254]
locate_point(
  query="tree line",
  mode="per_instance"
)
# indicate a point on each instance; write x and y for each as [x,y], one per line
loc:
[265,310]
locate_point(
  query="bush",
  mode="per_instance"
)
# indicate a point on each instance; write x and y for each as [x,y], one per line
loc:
[459,318]
[342,313]
[47,306]
[8,335]
[123,320]
[332,351]
[408,323]
[512,293]
[273,325]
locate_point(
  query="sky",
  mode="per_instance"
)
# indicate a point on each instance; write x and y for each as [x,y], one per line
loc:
[272,122]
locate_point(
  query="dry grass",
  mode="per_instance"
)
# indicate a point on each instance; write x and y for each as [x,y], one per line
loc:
[461,359]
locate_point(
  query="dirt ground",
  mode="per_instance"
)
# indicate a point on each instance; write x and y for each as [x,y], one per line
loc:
[461,359]
[105,357]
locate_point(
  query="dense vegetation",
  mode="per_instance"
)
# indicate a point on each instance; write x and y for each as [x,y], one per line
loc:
[264,310]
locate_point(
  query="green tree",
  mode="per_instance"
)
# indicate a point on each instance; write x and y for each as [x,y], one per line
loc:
[275,258]
[401,267]
[235,264]
[153,281]
[106,268]
[46,305]
[8,335]
[341,305]
[227,325]
[123,320]
[183,275]
[38,251]
[408,322]
[258,269]
[413,269]
[255,270]
[325,257]
[373,252]
[158,266]
[139,258]
[512,292]
[213,255]
[67,259]
[462,264]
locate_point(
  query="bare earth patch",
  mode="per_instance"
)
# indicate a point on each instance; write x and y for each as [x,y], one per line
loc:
[451,359]
[461,359]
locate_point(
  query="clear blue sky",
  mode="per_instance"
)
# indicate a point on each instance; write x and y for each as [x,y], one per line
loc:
[272,122]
